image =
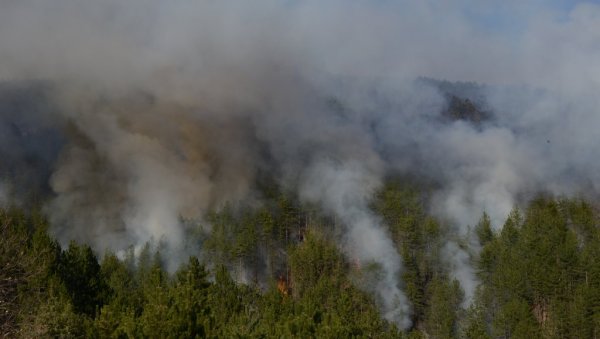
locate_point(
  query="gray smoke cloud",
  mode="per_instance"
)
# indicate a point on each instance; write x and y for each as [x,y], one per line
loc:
[168,109]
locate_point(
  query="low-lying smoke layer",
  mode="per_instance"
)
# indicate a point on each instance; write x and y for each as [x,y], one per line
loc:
[137,115]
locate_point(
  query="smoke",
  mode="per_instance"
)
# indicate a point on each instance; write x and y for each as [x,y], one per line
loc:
[138,167]
[345,188]
[152,112]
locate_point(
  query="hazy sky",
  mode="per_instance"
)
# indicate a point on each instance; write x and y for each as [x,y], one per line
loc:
[513,17]
[490,41]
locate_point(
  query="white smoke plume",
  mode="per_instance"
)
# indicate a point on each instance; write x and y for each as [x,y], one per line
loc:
[345,189]
[172,108]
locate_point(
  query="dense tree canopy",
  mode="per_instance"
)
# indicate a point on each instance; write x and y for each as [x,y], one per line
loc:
[275,271]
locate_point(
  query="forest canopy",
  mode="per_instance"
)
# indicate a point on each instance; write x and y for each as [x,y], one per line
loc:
[275,271]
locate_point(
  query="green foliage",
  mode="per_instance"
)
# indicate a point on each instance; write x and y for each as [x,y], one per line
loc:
[515,320]
[418,238]
[314,261]
[442,316]
[539,278]
[536,273]
[79,269]
[15,266]
[484,230]
[476,324]
[28,258]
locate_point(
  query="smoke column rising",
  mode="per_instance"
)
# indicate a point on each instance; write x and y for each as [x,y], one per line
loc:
[162,110]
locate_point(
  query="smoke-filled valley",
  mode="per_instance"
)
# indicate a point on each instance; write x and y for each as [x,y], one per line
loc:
[284,164]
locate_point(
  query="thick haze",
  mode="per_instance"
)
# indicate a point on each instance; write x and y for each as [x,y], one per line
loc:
[149,111]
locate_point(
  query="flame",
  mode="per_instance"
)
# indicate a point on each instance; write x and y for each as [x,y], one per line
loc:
[282,286]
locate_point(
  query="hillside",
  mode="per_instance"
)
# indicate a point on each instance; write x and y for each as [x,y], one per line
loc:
[297,283]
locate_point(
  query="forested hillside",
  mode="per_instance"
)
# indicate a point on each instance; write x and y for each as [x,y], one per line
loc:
[274,271]
[299,169]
